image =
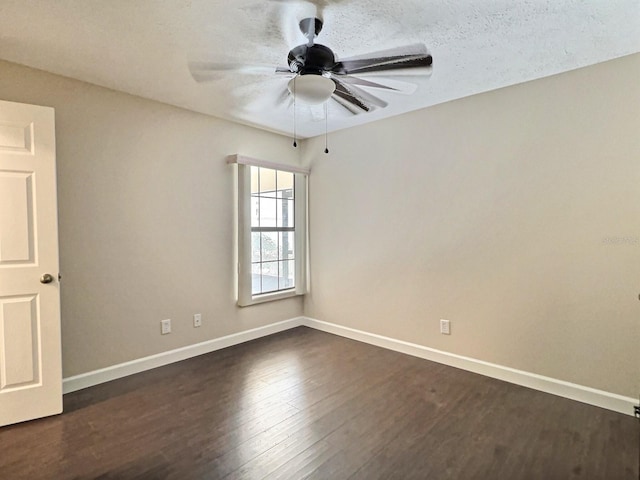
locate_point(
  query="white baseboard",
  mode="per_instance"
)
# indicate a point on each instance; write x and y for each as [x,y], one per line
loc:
[591,396]
[89,379]
[580,393]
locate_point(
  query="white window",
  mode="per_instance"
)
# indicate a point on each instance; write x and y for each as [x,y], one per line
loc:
[271,231]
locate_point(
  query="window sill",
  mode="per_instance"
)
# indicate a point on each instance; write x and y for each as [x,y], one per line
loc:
[269,297]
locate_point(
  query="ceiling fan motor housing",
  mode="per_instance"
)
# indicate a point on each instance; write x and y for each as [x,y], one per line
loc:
[313,59]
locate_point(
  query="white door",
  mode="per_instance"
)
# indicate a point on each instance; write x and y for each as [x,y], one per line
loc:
[30,354]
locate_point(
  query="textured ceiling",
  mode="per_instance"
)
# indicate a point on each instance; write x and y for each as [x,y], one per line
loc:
[142,47]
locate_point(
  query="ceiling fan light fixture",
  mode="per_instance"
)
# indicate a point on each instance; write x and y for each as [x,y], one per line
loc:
[311,89]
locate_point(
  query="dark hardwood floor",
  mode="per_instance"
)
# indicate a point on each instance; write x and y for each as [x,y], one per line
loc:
[306,404]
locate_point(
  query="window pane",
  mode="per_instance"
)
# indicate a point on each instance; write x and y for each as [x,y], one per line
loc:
[269,246]
[270,208]
[292,218]
[285,184]
[287,244]
[256,279]
[287,274]
[255,185]
[269,276]
[267,182]
[255,247]
[255,211]
[267,212]
[286,214]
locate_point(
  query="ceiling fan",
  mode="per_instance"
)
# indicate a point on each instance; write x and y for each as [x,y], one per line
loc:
[317,74]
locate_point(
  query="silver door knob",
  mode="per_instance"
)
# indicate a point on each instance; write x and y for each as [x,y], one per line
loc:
[46,278]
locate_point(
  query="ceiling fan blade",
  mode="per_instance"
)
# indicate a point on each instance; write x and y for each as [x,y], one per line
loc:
[348,103]
[351,80]
[399,63]
[270,97]
[355,99]
[395,86]
[285,71]
[207,71]
[364,97]
[411,57]
[415,49]
[284,97]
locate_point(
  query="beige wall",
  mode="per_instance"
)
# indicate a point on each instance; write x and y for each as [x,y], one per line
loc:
[146,220]
[515,214]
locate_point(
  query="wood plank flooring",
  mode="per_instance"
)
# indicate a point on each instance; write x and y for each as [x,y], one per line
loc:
[307,404]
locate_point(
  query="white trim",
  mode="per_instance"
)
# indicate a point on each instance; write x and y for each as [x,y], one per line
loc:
[255,162]
[302,227]
[580,393]
[96,377]
[243,222]
[572,391]
[244,294]
[269,297]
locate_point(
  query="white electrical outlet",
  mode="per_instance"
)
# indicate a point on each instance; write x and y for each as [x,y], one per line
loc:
[165,326]
[197,320]
[445,327]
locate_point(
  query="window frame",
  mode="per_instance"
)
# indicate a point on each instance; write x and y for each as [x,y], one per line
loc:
[244,296]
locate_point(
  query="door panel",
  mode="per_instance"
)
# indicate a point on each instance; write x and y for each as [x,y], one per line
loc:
[30,351]
[16,218]
[19,339]
[16,137]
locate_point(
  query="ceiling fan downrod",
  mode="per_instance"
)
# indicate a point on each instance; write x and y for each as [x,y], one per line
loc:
[310,28]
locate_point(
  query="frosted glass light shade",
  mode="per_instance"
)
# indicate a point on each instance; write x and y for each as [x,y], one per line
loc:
[311,89]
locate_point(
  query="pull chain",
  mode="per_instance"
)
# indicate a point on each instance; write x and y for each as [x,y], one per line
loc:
[326,128]
[295,143]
